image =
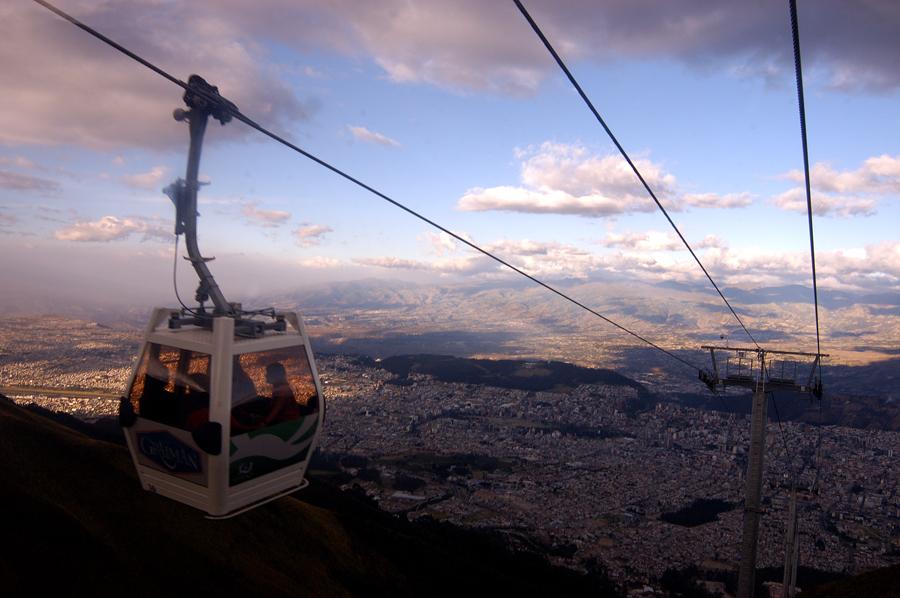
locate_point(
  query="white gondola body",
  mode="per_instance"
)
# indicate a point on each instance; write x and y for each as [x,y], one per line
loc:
[256,463]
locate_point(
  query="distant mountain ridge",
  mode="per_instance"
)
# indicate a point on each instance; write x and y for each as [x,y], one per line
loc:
[504,318]
[377,292]
[688,310]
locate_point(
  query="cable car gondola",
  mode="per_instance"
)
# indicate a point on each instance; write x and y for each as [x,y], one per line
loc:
[224,406]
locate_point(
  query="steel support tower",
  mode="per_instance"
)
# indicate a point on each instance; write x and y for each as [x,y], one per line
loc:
[753,488]
[791,550]
[762,379]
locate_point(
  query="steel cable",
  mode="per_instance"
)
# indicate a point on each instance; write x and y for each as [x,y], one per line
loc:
[798,69]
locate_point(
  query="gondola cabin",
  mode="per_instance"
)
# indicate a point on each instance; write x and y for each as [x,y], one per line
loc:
[219,419]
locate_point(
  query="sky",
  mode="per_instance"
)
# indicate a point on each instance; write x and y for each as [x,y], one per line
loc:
[456,110]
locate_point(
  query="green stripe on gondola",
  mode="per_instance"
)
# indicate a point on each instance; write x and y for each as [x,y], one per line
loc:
[284,430]
[306,436]
[248,468]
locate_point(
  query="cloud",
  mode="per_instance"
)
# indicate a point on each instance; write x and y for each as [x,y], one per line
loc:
[146,180]
[878,175]
[319,262]
[364,134]
[60,86]
[844,193]
[564,179]
[871,267]
[7,220]
[220,200]
[395,262]
[111,228]
[440,243]
[560,178]
[471,45]
[710,241]
[311,234]
[652,240]
[24,182]
[714,200]
[874,266]
[852,45]
[794,200]
[468,265]
[63,87]
[656,256]
[529,248]
[646,241]
[467,45]
[879,263]
[546,259]
[264,218]
[537,258]
[19,161]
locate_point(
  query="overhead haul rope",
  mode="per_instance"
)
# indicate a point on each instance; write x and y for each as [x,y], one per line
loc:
[622,151]
[798,68]
[252,124]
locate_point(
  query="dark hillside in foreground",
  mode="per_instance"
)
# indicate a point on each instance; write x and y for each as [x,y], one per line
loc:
[77,523]
[880,583]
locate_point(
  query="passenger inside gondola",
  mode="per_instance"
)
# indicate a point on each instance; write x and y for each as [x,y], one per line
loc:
[196,402]
[269,388]
[171,387]
[248,408]
[154,401]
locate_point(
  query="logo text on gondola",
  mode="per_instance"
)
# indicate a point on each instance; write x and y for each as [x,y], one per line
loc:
[168,451]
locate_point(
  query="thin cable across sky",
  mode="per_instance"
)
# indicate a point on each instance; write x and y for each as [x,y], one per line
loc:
[798,69]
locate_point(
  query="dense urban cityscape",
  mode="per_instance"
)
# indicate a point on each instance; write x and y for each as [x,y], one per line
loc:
[608,473]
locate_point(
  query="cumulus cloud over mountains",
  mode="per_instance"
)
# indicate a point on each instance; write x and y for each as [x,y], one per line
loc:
[844,193]
[660,256]
[559,178]
[111,228]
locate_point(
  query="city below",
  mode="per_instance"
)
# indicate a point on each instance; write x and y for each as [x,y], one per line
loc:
[613,471]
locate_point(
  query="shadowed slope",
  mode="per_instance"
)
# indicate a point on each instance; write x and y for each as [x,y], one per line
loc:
[77,521]
[880,583]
